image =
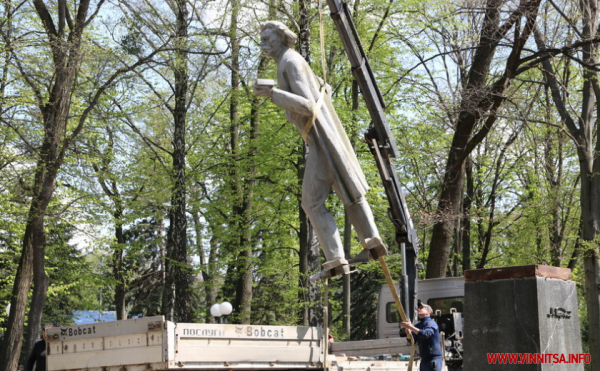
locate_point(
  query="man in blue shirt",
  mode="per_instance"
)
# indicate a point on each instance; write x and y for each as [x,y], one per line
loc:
[427,336]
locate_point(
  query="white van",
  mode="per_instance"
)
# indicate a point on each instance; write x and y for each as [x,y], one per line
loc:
[446,295]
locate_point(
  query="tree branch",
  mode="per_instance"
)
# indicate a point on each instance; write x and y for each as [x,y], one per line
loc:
[46,18]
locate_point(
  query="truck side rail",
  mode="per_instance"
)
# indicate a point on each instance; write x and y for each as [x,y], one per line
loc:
[152,343]
[214,346]
[99,346]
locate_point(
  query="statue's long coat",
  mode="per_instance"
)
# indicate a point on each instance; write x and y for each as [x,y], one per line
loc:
[298,91]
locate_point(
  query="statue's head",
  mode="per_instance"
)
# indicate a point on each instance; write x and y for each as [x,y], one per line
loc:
[274,37]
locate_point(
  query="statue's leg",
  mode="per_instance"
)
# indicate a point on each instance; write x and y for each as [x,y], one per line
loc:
[361,217]
[316,186]
[314,194]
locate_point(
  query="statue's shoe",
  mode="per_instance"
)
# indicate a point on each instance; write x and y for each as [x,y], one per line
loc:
[332,268]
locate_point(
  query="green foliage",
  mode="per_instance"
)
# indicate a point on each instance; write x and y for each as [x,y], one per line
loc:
[73,285]
[142,271]
[419,51]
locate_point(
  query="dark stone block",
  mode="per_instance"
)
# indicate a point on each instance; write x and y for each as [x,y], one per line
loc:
[522,271]
[534,316]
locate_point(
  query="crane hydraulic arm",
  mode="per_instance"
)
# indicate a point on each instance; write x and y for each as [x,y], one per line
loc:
[383,147]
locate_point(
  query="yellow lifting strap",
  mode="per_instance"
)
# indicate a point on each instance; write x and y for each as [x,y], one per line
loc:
[322,38]
[311,121]
[316,110]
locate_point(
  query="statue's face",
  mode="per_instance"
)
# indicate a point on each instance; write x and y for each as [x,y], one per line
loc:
[270,42]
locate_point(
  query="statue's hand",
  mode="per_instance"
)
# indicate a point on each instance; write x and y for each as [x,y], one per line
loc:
[262,90]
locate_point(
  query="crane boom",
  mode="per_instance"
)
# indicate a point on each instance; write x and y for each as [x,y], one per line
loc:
[383,147]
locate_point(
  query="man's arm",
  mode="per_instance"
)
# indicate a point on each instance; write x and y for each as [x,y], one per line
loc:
[409,327]
[426,332]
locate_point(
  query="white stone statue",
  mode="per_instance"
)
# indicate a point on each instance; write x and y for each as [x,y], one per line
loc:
[331,162]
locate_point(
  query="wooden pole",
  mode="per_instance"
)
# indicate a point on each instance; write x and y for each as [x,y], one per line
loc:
[388,278]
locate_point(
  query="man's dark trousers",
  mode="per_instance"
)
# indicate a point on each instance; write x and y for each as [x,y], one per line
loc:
[434,364]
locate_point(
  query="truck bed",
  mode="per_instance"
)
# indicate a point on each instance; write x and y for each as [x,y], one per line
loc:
[370,348]
[152,343]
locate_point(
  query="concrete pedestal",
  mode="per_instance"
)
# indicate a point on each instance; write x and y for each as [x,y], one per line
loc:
[521,318]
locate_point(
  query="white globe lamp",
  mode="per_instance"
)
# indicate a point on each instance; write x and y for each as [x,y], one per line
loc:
[215,311]
[225,308]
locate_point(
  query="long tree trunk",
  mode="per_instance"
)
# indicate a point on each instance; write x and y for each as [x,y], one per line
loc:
[466,222]
[202,260]
[310,261]
[117,261]
[590,178]
[590,220]
[6,56]
[553,168]
[310,255]
[246,263]
[55,112]
[118,268]
[244,290]
[243,265]
[34,240]
[11,345]
[110,189]
[178,291]
[40,286]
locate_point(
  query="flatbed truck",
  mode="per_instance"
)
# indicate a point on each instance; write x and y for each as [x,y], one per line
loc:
[152,343]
